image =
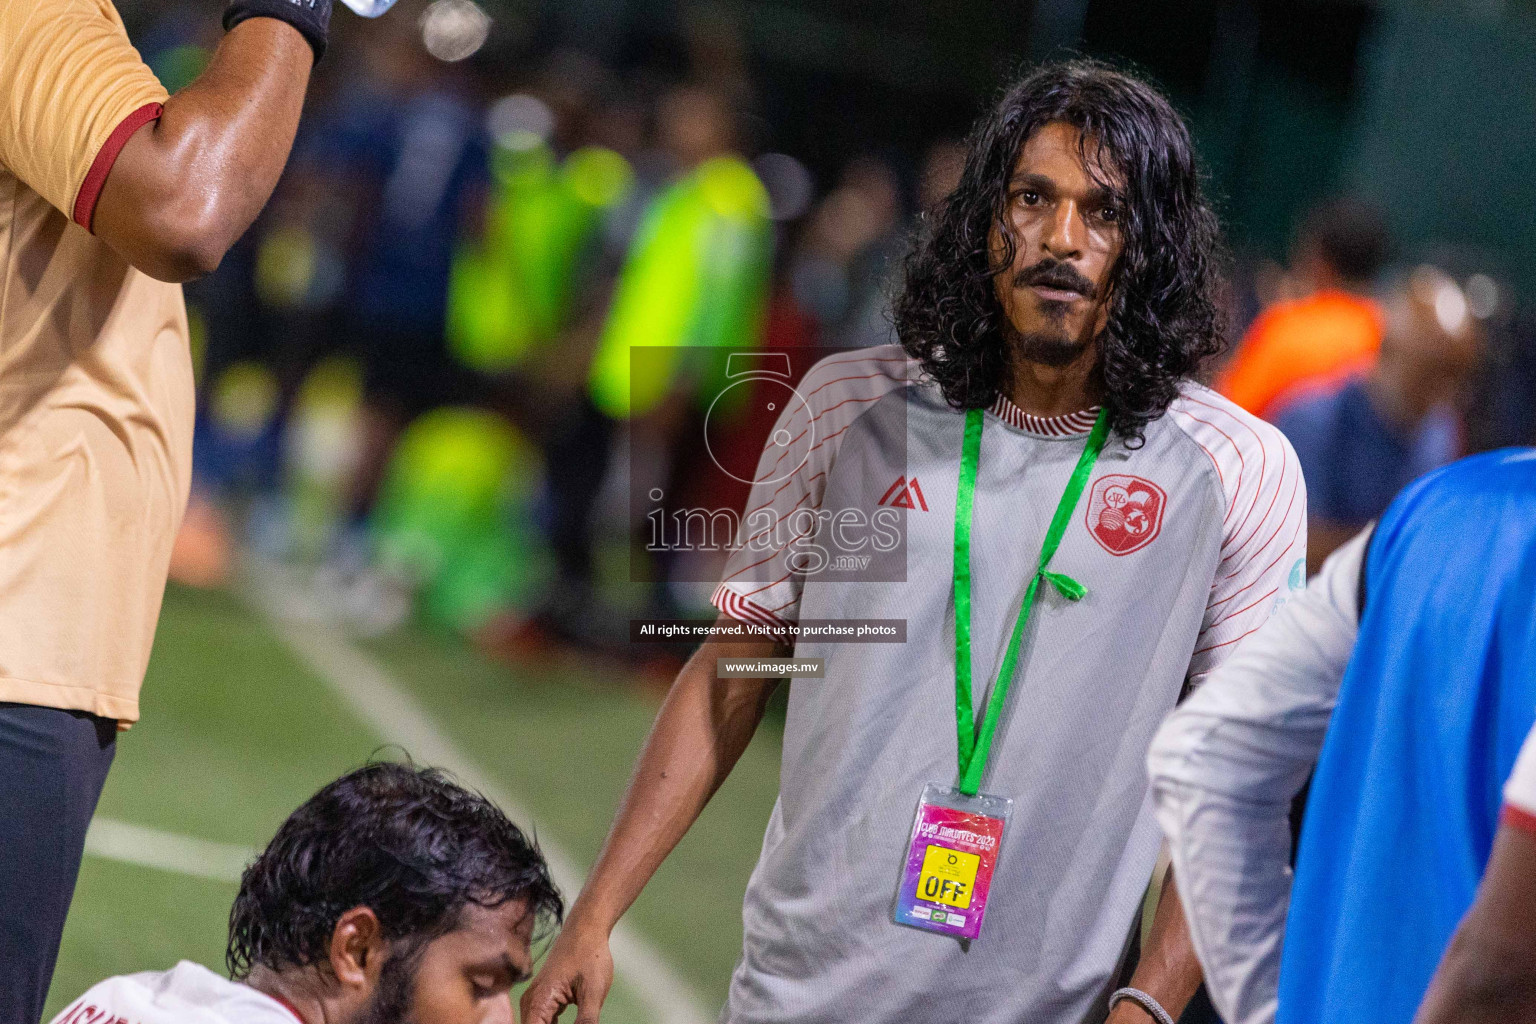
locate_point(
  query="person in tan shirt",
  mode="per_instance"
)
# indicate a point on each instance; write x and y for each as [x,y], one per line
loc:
[111,192]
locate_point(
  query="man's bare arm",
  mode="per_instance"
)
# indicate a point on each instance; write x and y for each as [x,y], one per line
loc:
[1488,975]
[185,188]
[702,729]
[1169,970]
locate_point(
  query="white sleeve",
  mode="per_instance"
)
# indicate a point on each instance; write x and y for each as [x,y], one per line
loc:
[1225,767]
[187,994]
[1264,523]
[765,573]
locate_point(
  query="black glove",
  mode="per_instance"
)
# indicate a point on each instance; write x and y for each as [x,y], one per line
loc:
[311,17]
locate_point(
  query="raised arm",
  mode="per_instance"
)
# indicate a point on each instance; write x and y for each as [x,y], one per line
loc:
[702,728]
[184,188]
[1224,769]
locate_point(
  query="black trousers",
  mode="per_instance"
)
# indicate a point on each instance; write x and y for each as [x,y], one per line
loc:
[52,767]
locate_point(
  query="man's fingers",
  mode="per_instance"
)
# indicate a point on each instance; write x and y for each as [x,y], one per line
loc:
[541,1003]
[589,1001]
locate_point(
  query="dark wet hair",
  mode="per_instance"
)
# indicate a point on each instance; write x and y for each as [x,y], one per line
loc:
[407,842]
[1164,313]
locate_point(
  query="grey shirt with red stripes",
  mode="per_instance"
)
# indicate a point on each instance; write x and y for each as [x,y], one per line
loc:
[1186,544]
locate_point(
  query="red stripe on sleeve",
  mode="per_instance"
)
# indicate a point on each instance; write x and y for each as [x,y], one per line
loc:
[96,177]
[1518,817]
[738,607]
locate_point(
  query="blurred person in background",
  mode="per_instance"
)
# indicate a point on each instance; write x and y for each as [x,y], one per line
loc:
[942,166]
[112,193]
[1327,324]
[849,255]
[695,125]
[1403,682]
[407,147]
[1363,440]
[392,896]
[1041,314]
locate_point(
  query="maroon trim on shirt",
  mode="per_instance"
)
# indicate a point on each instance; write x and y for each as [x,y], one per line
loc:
[1070,424]
[96,177]
[285,1004]
[738,607]
[1518,817]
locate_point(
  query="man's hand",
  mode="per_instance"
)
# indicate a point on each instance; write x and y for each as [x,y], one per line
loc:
[578,972]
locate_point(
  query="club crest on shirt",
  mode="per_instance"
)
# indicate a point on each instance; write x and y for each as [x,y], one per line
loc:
[1125,513]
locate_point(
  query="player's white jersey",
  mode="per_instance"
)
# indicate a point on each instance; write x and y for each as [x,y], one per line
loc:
[1186,541]
[186,994]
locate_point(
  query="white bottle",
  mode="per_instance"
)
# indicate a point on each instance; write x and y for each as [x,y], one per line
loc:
[369,8]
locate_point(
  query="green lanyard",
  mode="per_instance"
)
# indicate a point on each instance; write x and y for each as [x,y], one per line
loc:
[974,745]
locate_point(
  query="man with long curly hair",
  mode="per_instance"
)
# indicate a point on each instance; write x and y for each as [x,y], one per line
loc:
[1085,533]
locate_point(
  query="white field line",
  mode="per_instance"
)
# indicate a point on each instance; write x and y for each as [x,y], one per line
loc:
[396,717]
[166,851]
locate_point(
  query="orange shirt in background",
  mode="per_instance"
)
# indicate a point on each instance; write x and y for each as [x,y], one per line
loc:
[1299,343]
[96,395]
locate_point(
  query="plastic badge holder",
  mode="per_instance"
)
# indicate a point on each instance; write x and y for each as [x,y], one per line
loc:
[950,860]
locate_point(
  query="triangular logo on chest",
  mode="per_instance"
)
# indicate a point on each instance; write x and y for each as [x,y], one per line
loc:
[904,493]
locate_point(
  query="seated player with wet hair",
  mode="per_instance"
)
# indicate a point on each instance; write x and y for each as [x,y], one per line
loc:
[392,895]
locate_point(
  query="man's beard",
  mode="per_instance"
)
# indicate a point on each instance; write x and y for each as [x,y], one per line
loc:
[1048,348]
[391,1002]
[1052,347]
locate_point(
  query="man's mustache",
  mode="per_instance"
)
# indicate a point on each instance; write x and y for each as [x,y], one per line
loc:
[1054,274]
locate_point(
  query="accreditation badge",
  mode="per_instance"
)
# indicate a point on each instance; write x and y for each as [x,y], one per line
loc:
[950,860]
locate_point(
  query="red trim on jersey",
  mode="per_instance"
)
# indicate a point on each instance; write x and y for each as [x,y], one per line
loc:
[768,529]
[96,177]
[771,526]
[1518,817]
[738,607]
[1071,424]
[865,359]
[1263,475]
[791,479]
[839,380]
[1285,549]
[285,1004]
[1232,615]
[782,456]
[1284,518]
[1227,643]
[789,447]
[1242,464]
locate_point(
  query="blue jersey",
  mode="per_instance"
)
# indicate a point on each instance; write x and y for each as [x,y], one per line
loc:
[1438,697]
[1354,459]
